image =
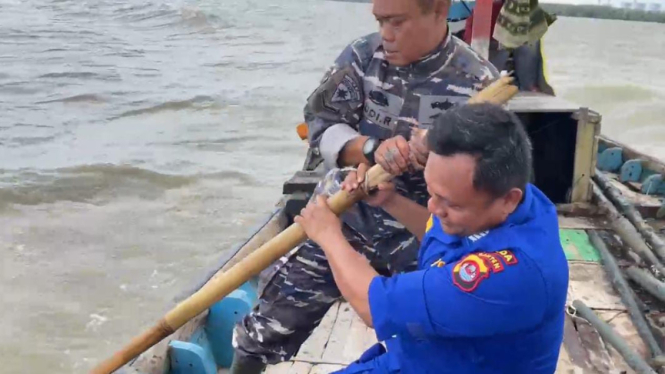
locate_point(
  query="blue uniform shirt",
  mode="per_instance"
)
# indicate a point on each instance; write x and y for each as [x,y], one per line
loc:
[489,303]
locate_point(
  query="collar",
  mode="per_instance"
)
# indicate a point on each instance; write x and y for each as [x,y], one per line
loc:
[521,214]
[523,210]
[431,62]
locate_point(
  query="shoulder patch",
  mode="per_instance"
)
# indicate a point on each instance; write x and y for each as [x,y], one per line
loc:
[507,256]
[493,261]
[470,272]
[347,90]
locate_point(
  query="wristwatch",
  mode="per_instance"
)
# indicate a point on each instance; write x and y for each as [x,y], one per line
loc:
[369,147]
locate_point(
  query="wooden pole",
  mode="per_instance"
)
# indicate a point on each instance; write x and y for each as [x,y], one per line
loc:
[647,281]
[499,92]
[627,231]
[482,27]
[622,287]
[632,214]
[631,357]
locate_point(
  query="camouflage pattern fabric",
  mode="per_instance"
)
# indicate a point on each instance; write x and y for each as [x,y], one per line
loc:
[521,22]
[360,95]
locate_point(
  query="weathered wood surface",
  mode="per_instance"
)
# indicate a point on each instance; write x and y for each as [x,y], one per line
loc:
[586,151]
[589,283]
[583,223]
[340,339]
[641,201]
[629,153]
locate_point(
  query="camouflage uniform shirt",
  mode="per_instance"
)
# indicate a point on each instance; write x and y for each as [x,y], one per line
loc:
[362,94]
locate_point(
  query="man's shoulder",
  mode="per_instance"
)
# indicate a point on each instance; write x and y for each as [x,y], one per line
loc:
[360,50]
[466,61]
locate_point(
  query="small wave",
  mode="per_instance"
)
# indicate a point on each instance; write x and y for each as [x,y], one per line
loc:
[21,141]
[86,184]
[196,103]
[612,93]
[83,98]
[245,179]
[87,75]
[70,74]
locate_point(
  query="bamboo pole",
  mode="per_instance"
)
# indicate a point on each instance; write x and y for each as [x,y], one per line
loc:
[632,214]
[647,281]
[627,231]
[499,92]
[610,336]
[621,285]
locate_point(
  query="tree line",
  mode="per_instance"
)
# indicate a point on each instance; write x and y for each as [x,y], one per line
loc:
[603,12]
[590,11]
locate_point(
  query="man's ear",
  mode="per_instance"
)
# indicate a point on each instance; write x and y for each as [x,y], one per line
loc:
[441,9]
[511,200]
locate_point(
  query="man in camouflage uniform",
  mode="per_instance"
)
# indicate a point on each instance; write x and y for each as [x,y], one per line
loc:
[381,87]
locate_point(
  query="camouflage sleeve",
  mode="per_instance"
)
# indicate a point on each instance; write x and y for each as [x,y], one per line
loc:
[334,109]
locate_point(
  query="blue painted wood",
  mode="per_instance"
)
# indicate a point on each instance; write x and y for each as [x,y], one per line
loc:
[652,184]
[222,318]
[610,159]
[460,11]
[631,171]
[190,358]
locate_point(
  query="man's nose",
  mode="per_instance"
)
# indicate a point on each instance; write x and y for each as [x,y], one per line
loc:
[387,33]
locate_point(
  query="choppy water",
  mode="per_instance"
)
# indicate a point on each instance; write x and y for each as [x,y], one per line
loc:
[139,140]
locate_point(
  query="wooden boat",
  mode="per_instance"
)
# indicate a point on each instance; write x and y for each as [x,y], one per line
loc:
[567,150]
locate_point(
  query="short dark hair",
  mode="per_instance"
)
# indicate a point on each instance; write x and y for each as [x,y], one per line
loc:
[428,5]
[497,139]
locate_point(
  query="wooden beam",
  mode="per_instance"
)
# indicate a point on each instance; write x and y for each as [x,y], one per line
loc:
[482,27]
[586,149]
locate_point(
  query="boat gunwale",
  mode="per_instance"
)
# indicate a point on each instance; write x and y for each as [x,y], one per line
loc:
[155,360]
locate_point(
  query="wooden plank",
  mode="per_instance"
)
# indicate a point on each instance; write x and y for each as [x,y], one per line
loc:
[301,368]
[334,352]
[573,354]
[538,102]
[599,356]
[586,149]
[325,368]
[636,198]
[360,339]
[565,366]
[281,368]
[481,27]
[583,223]
[624,327]
[589,283]
[629,153]
[577,246]
[313,348]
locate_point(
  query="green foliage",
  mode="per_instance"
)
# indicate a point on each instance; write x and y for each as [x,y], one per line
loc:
[603,12]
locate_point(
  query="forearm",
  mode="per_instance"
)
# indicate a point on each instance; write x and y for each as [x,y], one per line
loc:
[409,213]
[352,153]
[353,275]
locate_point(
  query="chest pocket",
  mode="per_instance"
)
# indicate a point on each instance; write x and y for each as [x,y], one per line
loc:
[381,111]
[433,105]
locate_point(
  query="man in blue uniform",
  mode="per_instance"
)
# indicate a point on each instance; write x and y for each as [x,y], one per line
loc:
[489,292]
[380,88]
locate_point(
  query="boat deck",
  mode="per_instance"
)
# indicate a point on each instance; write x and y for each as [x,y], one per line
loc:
[342,336]
[339,340]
